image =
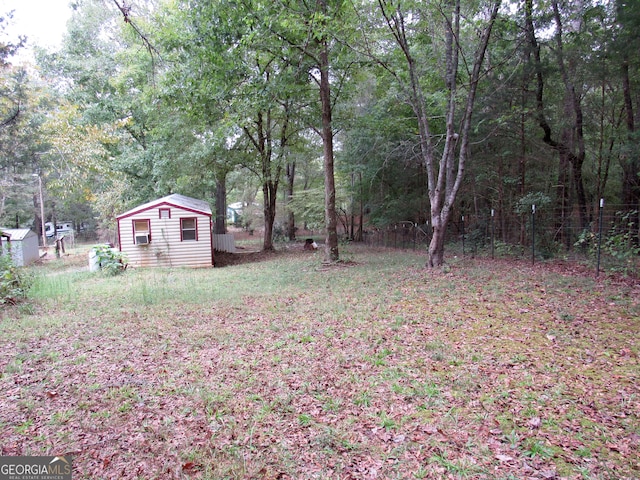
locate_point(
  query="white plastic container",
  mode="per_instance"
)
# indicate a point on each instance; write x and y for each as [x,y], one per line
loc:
[94,261]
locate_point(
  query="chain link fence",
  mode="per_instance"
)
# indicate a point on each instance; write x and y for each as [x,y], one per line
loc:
[607,237]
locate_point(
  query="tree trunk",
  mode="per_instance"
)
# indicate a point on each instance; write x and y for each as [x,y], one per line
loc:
[331,218]
[574,143]
[572,138]
[290,173]
[629,161]
[263,143]
[604,160]
[502,230]
[269,184]
[3,198]
[444,177]
[524,93]
[436,245]
[360,234]
[269,191]
[627,16]
[38,221]
[562,209]
[221,204]
[523,156]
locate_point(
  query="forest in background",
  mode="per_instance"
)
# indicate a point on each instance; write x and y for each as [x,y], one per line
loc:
[346,117]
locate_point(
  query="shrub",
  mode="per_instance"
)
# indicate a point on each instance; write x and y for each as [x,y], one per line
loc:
[587,242]
[503,249]
[619,244]
[111,261]
[14,282]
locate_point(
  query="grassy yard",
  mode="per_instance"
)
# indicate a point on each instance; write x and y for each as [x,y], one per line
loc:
[284,368]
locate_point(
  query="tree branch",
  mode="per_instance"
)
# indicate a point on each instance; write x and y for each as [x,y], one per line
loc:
[126,14]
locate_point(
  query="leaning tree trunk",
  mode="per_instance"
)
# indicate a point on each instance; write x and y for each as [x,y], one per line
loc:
[571,147]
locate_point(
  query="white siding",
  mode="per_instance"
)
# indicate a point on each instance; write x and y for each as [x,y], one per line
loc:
[24,247]
[166,248]
[14,250]
[224,242]
[30,249]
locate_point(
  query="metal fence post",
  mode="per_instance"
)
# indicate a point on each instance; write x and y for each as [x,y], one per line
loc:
[463,235]
[599,236]
[493,230]
[533,234]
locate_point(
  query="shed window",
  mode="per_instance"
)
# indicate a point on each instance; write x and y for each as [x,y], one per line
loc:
[165,213]
[142,232]
[188,229]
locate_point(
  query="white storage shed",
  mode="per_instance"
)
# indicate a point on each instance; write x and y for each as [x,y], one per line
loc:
[173,231]
[21,244]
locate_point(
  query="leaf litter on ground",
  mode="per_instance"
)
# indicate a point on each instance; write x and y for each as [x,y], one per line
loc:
[494,369]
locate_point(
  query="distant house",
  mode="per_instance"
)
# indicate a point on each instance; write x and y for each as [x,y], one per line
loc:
[21,244]
[173,231]
[234,213]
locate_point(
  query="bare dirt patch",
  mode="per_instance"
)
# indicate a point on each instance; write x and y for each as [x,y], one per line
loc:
[225,259]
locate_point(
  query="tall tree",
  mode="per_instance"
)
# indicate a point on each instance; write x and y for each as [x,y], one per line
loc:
[316,33]
[403,21]
[105,75]
[10,93]
[570,144]
[21,146]
[23,100]
[323,59]
[627,45]
[380,155]
[227,68]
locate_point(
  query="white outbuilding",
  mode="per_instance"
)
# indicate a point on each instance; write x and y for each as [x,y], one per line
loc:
[21,244]
[173,231]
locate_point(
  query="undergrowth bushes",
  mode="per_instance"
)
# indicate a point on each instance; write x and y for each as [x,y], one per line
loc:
[14,282]
[110,260]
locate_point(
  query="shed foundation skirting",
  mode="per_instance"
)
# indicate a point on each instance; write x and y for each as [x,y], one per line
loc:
[224,243]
